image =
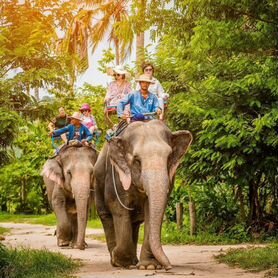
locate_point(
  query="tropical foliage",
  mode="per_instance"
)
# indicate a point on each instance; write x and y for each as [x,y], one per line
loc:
[220,66]
[218,61]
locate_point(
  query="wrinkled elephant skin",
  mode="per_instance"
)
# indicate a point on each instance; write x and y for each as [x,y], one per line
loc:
[69,180]
[144,159]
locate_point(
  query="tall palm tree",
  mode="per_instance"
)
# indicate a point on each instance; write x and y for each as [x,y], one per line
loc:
[75,43]
[111,18]
[120,20]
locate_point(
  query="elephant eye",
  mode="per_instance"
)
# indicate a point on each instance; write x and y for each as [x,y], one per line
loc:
[137,162]
[69,172]
[136,159]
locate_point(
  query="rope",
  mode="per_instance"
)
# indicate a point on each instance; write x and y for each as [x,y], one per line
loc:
[118,197]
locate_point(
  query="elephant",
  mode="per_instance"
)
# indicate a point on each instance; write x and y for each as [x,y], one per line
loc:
[134,175]
[69,180]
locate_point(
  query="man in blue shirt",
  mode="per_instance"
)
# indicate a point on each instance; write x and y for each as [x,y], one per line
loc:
[76,130]
[141,102]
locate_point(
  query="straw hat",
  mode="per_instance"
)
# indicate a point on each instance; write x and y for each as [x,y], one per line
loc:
[144,78]
[76,116]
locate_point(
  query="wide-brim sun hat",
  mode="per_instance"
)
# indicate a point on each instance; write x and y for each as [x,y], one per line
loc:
[76,116]
[119,69]
[144,78]
[85,106]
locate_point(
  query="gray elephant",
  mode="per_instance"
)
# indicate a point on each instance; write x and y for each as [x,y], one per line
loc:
[69,180]
[134,176]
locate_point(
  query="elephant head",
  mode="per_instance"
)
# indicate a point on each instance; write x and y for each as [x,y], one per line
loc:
[146,156]
[71,172]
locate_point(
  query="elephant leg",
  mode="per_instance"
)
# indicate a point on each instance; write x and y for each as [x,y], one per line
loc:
[124,254]
[64,229]
[105,217]
[135,236]
[147,259]
[73,218]
[108,226]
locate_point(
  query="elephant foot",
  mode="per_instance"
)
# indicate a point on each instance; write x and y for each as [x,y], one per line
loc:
[79,246]
[150,264]
[63,243]
[82,246]
[122,259]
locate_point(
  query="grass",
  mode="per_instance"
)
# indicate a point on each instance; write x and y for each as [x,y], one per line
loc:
[48,220]
[27,263]
[253,258]
[94,224]
[98,237]
[3,230]
[171,235]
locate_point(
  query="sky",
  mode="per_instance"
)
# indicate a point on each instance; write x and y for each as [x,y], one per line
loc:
[94,76]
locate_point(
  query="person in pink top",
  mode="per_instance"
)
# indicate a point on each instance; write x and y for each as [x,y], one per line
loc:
[88,119]
[116,90]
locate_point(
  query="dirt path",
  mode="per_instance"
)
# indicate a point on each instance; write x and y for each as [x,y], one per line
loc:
[187,260]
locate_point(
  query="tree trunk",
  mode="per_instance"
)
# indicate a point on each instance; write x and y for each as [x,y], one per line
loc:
[28,90]
[72,82]
[255,214]
[117,50]
[37,93]
[179,213]
[140,38]
[192,215]
[241,204]
[140,53]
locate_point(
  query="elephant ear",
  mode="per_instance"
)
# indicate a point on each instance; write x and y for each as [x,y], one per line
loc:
[52,170]
[180,142]
[117,156]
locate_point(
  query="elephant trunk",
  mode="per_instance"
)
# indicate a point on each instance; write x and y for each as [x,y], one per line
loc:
[81,200]
[157,187]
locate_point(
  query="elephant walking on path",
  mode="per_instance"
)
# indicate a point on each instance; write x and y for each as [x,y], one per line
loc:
[134,176]
[69,181]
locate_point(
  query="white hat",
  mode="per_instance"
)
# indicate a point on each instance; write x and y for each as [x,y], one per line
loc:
[76,116]
[144,78]
[119,69]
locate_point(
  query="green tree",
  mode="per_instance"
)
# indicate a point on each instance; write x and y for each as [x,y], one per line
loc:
[21,186]
[28,45]
[220,65]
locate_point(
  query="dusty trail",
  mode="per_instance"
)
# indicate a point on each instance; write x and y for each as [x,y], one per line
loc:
[187,260]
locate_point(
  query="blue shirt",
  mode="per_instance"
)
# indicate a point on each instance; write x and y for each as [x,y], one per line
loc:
[138,105]
[84,132]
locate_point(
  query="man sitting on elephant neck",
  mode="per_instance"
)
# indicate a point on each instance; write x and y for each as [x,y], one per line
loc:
[76,130]
[141,102]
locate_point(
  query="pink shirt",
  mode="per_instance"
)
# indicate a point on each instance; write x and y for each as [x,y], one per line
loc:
[115,92]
